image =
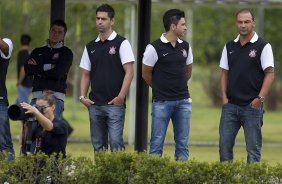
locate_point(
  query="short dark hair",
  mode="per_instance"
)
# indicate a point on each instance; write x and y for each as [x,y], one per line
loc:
[60,23]
[172,16]
[106,8]
[25,39]
[245,11]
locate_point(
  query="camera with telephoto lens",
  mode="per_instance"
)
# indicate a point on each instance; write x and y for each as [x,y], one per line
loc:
[16,112]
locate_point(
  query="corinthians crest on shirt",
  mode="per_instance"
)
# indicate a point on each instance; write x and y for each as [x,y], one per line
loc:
[112,50]
[56,56]
[184,53]
[252,53]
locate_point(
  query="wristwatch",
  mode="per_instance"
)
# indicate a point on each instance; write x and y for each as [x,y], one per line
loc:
[81,97]
[261,98]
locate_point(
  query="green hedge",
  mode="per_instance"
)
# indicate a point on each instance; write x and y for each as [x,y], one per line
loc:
[133,168]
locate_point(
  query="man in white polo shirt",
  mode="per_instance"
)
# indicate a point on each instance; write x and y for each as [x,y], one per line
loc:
[107,65]
[247,73]
[167,67]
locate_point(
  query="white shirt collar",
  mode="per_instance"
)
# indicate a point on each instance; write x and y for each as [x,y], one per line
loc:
[253,40]
[60,44]
[164,40]
[111,37]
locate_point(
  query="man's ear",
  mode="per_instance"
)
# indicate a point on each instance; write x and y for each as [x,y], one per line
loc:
[172,27]
[112,21]
[254,24]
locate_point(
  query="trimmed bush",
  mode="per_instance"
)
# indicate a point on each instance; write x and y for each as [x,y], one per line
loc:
[151,169]
[133,168]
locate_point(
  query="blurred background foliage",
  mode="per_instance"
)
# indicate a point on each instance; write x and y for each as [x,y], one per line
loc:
[212,27]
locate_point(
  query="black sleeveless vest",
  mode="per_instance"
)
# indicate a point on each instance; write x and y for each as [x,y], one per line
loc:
[245,75]
[107,72]
[3,73]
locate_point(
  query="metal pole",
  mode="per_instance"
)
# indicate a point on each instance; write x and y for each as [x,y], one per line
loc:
[132,92]
[189,33]
[261,22]
[189,24]
[57,9]
[141,121]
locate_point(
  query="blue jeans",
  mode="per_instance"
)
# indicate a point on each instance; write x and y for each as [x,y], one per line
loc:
[107,121]
[23,94]
[179,112]
[232,118]
[6,143]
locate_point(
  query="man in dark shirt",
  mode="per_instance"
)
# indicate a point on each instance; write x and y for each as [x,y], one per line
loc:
[6,144]
[24,82]
[49,65]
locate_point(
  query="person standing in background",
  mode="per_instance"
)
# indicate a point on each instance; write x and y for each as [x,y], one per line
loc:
[24,82]
[6,144]
[167,67]
[49,65]
[247,74]
[107,65]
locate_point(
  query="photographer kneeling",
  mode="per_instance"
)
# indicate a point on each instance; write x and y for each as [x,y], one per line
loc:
[51,133]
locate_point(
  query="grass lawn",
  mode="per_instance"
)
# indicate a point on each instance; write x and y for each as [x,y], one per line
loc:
[204,127]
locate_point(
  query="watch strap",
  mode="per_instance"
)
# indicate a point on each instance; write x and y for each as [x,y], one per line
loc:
[261,98]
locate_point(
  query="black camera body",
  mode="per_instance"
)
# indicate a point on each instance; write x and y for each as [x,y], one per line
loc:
[16,112]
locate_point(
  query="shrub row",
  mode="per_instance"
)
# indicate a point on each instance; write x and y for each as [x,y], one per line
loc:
[133,168]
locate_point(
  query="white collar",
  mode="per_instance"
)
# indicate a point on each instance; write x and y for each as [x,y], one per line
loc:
[164,40]
[253,40]
[111,37]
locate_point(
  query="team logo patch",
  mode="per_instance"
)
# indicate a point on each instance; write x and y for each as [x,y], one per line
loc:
[231,52]
[252,53]
[112,50]
[56,56]
[184,53]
